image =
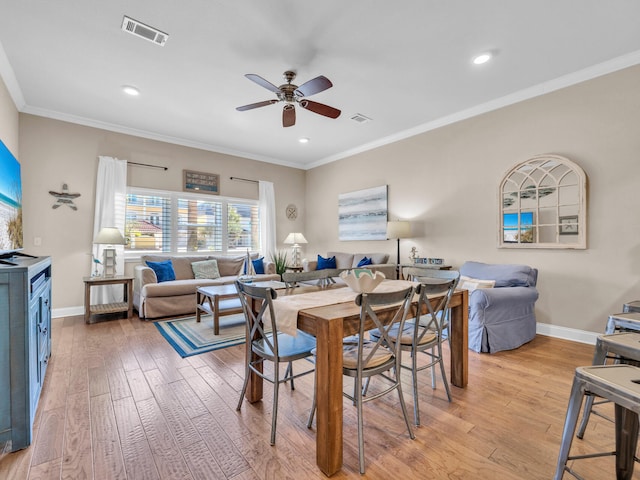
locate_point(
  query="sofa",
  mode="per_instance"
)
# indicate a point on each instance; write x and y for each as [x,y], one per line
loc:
[153,299]
[502,301]
[346,261]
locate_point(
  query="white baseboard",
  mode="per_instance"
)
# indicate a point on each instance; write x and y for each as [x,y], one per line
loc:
[67,312]
[565,333]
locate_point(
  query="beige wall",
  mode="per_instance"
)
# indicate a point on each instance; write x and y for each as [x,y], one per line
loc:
[8,120]
[54,152]
[446,181]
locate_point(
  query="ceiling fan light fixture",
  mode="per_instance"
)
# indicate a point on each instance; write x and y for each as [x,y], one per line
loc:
[482,58]
[130,90]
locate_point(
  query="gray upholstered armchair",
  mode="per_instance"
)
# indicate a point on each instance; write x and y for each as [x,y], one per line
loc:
[501,317]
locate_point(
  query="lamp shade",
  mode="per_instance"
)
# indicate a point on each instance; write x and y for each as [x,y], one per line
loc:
[294,238]
[109,236]
[399,229]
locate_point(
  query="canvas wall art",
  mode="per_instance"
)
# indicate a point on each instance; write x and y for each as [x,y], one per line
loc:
[362,215]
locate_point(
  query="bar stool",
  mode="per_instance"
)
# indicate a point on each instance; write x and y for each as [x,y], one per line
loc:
[623,322]
[620,384]
[623,347]
[631,306]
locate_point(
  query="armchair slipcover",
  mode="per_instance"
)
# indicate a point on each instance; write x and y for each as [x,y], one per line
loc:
[503,317]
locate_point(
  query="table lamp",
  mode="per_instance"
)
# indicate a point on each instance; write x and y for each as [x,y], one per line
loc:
[295,239]
[109,236]
[398,229]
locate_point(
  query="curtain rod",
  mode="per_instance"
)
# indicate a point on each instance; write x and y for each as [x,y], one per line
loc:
[148,165]
[244,179]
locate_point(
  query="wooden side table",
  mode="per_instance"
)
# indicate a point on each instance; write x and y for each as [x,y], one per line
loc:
[101,309]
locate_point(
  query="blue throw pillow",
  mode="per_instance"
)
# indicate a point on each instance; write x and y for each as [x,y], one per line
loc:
[164,270]
[364,261]
[258,265]
[324,263]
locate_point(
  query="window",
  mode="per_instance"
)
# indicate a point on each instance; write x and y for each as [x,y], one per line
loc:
[177,222]
[543,205]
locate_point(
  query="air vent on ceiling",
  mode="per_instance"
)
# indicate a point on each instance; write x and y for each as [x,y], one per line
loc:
[358,117]
[141,30]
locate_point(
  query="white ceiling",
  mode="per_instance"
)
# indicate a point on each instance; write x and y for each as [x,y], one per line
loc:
[406,64]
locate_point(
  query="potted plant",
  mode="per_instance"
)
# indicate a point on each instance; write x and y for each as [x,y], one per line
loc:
[279,258]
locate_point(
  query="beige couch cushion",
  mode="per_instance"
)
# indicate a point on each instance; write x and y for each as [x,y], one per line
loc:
[343,260]
[181,265]
[230,265]
[376,258]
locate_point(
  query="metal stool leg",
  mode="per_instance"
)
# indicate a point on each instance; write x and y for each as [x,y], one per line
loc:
[573,410]
[626,442]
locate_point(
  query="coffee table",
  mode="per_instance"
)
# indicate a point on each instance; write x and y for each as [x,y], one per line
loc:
[217,300]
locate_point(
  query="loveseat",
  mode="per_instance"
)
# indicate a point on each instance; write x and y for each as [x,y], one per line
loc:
[353,260]
[153,299]
[501,305]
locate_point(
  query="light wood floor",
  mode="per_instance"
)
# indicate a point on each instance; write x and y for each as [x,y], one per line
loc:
[119,403]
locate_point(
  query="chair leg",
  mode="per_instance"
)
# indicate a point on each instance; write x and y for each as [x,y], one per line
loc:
[274,414]
[289,373]
[414,376]
[443,373]
[244,386]
[588,405]
[573,410]
[404,406]
[358,402]
[313,403]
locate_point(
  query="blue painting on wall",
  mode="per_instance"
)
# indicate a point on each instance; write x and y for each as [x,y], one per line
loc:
[362,215]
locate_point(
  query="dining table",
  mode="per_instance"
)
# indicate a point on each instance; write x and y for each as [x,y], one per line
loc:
[330,318]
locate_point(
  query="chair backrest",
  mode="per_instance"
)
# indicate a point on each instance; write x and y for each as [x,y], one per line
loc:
[292,278]
[442,283]
[368,303]
[414,273]
[256,301]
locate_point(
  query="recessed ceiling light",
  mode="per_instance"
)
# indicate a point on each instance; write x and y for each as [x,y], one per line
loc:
[482,58]
[129,90]
[304,140]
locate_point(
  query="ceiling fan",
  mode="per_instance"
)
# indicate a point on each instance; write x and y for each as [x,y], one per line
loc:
[292,94]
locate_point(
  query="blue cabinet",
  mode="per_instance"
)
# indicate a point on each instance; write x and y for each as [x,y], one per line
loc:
[25,345]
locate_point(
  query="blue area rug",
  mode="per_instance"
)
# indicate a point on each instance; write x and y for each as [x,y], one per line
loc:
[189,337]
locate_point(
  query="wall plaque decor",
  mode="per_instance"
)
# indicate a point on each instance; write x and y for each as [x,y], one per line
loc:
[201,182]
[362,215]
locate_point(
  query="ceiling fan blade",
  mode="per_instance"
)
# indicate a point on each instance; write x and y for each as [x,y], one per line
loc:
[315,85]
[262,82]
[320,108]
[288,115]
[251,106]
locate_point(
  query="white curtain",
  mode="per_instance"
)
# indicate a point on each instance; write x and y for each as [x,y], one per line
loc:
[267,205]
[111,203]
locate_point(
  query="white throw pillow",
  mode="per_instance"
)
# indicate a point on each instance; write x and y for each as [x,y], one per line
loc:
[471,284]
[205,269]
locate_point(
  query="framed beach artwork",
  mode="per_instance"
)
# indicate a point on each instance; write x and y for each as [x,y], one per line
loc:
[362,215]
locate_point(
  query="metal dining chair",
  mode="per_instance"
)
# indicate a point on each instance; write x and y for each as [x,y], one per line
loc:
[315,277]
[424,333]
[364,358]
[412,273]
[264,345]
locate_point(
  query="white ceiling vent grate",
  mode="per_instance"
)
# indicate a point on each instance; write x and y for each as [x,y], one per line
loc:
[141,30]
[358,117]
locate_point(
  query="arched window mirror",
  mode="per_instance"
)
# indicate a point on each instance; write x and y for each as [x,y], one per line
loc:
[543,205]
